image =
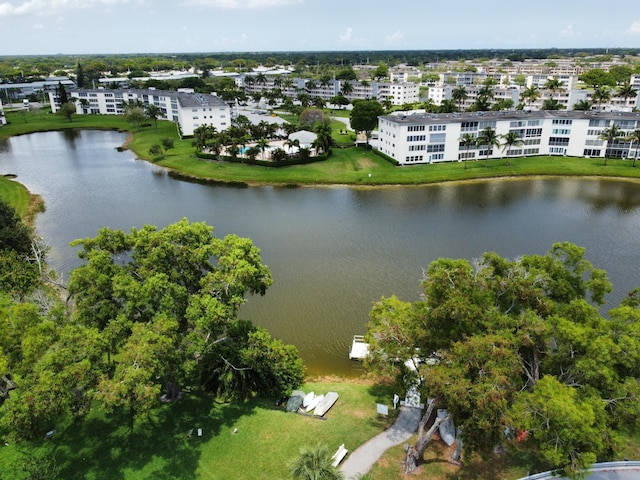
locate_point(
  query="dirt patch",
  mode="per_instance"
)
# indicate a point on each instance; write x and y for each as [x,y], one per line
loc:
[366,163]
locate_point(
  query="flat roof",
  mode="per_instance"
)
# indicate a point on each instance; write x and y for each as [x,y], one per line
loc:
[409,118]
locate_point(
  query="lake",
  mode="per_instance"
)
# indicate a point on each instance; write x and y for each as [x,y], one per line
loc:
[332,250]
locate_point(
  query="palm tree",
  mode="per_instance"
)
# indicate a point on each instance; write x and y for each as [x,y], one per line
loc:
[261,79]
[510,140]
[626,91]
[459,95]
[488,138]
[152,111]
[324,138]
[610,135]
[467,141]
[634,137]
[531,94]
[554,85]
[601,94]
[263,144]
[584,105]
[447,106]
[346,88]
[314,463]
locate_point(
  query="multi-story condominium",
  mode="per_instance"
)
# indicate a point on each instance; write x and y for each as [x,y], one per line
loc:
[428,138]
[189,110]
[397,93]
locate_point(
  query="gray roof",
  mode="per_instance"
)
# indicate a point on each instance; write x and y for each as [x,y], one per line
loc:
[511,115]
[185,99]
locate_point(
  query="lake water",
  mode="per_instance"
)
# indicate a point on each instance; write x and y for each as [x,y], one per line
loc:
[332,250]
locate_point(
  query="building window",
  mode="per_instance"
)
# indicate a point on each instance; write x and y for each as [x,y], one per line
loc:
[531,151]
[437,137]
[591,152]
[413,148]
[559,141]
[435,148]
[437,128]
[561,131]
[561,121]
[416,138]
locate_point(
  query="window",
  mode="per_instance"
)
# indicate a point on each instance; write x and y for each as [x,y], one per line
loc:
[561,121]
[594,132]
[558,141]
[593,143]
[462,156]
[413,148]
[591,152]
[533,132]
[517,124]
[435,148]
[437,137]
[486,124]
[561,131]
[532,141]
[557,151]
[416,138]
[416,128]
[469,126]
[414,158]
[437,156]
[531,151]
[533,123]
[437,128]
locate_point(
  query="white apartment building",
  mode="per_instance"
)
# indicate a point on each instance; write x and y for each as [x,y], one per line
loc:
[189,110]
[429,138]
[3,119]
[398,93]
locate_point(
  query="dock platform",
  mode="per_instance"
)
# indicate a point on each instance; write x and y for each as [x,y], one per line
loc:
[359,348]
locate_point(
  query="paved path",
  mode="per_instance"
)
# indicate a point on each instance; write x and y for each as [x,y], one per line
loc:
[362,458]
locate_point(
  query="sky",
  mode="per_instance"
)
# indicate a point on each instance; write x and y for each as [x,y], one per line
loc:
[32,27]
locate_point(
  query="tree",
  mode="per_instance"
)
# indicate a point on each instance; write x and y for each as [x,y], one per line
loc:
[346,88]
[634,137]
[510,140]
[152,111]
[601,94]
[584,105]
[517,346]
[324,139]
[626,91]
[468,141]
[314,463]
[610,135]
[67,110]
[135,114]
[554,84]
[487,139]
[596,77]
[155,150]
[164,306]
[364,116]
[459,95]
[62,94]
[552,104]
[447,106]
[263,145]
[531,94]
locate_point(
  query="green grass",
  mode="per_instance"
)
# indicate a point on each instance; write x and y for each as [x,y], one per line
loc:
[349,166]
[102,447]
[15,194]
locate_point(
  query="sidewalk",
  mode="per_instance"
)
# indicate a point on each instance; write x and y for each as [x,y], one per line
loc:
[362,458]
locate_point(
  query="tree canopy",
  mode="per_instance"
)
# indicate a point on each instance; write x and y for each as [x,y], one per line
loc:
[154,310]
[364,116]
[518,353]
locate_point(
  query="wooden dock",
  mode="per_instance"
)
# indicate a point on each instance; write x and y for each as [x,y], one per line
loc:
[359,348]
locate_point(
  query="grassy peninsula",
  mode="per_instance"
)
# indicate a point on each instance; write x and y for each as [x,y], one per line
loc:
[346,166]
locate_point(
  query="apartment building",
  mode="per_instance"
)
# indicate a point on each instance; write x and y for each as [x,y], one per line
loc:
[429,138]
[3,119]
[189,110]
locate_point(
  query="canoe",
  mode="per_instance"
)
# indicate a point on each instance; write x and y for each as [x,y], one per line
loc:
[314,403]
[307,399]
[325,404]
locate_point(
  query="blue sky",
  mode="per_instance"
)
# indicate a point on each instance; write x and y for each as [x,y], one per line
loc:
[155,26]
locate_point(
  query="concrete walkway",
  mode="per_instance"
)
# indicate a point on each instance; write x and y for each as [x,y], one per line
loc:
[362,458]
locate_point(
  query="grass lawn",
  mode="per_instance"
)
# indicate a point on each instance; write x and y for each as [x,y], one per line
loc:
[102,447]
[15,194]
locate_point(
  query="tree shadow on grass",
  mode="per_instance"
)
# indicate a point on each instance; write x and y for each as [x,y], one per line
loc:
[102,447]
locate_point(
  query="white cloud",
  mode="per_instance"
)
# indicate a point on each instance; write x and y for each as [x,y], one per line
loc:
[38,26]
[226,43]
[634,29]
[569,32]
[347,36]
[241,4]
[49,7]
[394,38]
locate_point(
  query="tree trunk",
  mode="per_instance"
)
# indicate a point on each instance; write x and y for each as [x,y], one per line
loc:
[413,454]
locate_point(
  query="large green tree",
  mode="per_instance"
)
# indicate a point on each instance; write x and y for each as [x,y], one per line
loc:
[518,346]
[154,310]
[364,116]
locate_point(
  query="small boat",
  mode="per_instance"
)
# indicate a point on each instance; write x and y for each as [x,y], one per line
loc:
[307,399]
[314,403]
[325,404]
